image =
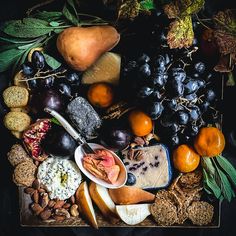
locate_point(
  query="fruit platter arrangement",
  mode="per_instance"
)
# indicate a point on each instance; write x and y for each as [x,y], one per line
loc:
[117,115]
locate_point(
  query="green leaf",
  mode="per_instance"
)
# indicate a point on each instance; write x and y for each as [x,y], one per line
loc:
[8,58]
[16,40]
[147,5]
[210,184]
[69,16]
[48,15]
[52,62]
[228,168]
[54,23]
[26,46]
[55,121]
[223,182]
[72,4]
[26,28]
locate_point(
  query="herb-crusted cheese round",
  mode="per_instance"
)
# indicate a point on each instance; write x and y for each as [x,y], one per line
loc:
[61,177]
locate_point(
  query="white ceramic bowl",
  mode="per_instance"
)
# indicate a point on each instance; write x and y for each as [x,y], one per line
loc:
[79,154]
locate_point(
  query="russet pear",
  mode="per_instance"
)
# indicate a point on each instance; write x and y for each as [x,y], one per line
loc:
[82,46]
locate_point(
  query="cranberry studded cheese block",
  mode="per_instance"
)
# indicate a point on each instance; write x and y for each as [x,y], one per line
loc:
[148,167]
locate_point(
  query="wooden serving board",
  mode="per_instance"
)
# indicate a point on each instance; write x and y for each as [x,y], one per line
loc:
[27,218]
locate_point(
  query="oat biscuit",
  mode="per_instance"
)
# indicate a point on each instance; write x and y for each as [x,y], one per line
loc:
[16,121]
[24,173]
[16,96]
[17,155]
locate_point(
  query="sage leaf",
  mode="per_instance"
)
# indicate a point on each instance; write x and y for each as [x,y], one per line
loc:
[8,58]
[54,23]
[72,4]
[16,40]
[228,168]
[210,184]
[69,16]
[223,182]
[26,28]
[48,15]
[52,62]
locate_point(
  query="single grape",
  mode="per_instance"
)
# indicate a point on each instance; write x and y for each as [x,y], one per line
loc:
[200,67]
[155,110]
[131,179]
[73,78]
[27,69]
[144,92]
[145,70]
[144,58]
[178,74]
[38,60]
[64,89]
[174,140]
[210,95]
[182,117]
[191,86]
[46,82]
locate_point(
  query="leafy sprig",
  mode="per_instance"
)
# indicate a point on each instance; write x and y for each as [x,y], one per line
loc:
[18,37]
[219,177]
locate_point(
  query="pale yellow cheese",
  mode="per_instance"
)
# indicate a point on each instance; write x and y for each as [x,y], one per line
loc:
[105,69]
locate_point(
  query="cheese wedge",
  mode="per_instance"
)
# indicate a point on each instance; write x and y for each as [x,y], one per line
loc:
[105,69]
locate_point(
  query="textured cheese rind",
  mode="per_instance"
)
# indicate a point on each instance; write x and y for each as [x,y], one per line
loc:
[51,172]
[153,177]
[105,69]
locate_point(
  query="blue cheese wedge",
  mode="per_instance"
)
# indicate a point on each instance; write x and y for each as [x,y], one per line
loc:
[150,166]
[61,177]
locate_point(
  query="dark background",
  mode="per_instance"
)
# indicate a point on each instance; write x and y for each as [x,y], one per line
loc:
[9,208]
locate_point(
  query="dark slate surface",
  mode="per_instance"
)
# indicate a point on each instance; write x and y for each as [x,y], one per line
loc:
[9,211]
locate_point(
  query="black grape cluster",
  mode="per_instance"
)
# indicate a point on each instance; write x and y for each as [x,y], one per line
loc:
[176,94]
[67,83]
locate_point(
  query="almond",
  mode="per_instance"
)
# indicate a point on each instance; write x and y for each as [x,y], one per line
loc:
[44,199]
[36,208]
[66,205]
[35,196]
[36,184]
[59,218]
[45,214]
[62,212]
[72,199]
[59,204]
[51,203]
[29,190]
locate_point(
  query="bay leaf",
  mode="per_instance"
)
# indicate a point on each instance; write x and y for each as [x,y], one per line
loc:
[52,62]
